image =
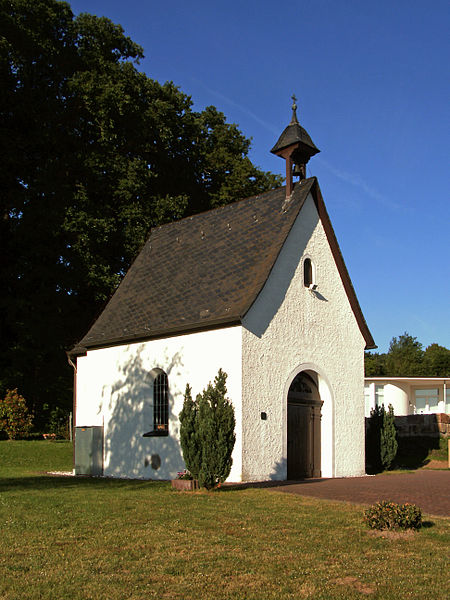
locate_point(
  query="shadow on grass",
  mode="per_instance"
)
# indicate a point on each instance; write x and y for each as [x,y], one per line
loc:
[230,487]
[51,482]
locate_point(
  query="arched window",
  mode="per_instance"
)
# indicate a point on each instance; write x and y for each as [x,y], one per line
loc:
[308,272]
[160,404]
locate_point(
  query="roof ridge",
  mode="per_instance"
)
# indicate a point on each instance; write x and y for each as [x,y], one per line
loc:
[230,204]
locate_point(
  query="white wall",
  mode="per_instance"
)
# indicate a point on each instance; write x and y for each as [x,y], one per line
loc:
[402,395]
[290,328]
[397,395]
[114,389]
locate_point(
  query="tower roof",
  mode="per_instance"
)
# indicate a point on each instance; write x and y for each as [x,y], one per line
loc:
[295,134]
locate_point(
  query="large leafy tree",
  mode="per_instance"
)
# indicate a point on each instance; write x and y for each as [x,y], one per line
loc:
[406,358]
[436,361]
[94,153]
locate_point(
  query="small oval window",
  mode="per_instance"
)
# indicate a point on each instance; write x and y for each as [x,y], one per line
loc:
[307,272]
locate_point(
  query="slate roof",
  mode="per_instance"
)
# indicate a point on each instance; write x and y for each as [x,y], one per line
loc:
[203,271]
[294,133]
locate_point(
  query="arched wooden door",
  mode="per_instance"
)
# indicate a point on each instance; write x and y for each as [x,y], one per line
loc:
[303,428]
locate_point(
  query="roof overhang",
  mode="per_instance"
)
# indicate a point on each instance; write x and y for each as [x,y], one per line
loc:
[413,380]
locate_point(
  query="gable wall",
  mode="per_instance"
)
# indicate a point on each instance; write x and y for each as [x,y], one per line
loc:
[289,329]
[114,389]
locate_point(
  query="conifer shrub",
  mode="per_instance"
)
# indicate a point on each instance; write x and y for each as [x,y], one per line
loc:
[388,439]
[381,439]
[389,515]
[15,419]
[190,444]
[207,433]
[373,441]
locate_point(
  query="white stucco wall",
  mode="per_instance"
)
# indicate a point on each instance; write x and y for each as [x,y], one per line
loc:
[114,389]
[396,394]
[290,328]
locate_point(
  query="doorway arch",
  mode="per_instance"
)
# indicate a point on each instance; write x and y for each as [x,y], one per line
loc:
[304,441]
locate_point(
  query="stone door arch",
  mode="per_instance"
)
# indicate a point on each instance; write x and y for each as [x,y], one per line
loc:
[304,427]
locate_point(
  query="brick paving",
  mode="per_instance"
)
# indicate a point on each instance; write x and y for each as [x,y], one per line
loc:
[430,490]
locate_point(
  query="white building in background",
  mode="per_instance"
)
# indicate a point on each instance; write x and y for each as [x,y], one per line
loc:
[408,395]
[257,288]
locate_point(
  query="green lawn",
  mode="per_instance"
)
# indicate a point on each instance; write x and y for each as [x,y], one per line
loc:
[65,537]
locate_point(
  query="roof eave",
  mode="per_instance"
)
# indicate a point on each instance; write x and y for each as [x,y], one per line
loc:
[184,329]
[343,272]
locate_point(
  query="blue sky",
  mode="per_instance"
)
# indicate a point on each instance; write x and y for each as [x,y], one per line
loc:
[372,82]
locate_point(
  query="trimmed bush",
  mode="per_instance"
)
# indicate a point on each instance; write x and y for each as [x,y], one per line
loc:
[388,439]
[389,515]
[190,445]
[207,433]
[15,419]
[373,442]
[381,439]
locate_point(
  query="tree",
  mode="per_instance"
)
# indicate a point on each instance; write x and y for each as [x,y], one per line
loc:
[94,154]
[216,425]
[388,438]
[189,439]
[381,439]
[405,357]
[374,364]
[436,361]
[373,439]
[15,419]
[207,433]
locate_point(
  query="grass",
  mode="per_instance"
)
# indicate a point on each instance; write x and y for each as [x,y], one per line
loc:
[83,538]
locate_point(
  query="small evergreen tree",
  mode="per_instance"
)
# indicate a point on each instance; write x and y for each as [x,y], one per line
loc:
[381,439]
[388,438]
[373,440]
[192,452]
[14,416]
[207,433]
[216,425]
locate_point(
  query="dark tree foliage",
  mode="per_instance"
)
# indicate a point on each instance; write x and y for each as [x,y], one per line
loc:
[93,154]
[406,358]
[207,433]
[373,440]
[189,439]
[388,438]
[215,429]
[374,364]
[381,439]
[436,361]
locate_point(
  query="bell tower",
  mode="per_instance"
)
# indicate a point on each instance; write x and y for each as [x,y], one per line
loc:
[296,147]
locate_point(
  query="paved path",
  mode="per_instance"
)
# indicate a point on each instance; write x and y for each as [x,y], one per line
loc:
[430,490]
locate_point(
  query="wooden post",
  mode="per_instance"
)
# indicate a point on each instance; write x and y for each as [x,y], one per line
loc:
[288,177]
[448,453]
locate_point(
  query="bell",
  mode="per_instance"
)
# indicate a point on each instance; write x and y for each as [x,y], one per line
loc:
[299,171]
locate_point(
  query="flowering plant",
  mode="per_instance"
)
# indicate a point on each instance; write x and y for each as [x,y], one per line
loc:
[184,475]
[389,515]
